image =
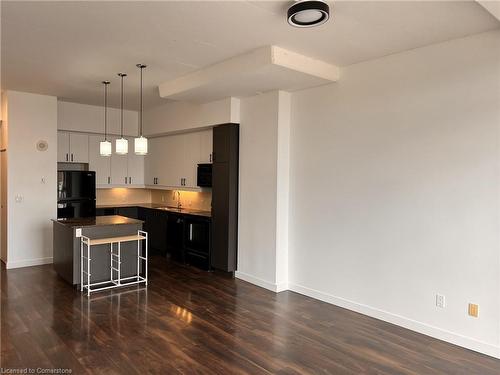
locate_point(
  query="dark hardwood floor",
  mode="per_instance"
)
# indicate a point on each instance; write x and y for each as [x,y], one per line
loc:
[190,321]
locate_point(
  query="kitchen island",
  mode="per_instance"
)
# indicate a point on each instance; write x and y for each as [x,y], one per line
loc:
[67,244]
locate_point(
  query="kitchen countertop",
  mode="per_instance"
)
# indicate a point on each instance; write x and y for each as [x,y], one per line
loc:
[96,221]
[161,207]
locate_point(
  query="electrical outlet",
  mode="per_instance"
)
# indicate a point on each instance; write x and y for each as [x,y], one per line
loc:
[473,310]
[78,232]
[440,301]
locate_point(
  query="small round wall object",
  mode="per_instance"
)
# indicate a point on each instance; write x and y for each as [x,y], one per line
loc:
[42,145]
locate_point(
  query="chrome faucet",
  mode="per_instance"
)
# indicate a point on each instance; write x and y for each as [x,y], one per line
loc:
[179,205]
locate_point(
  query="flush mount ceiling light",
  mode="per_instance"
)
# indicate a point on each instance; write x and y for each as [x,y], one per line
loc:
[105,146]
[141,143]
[308,13]
[121,143]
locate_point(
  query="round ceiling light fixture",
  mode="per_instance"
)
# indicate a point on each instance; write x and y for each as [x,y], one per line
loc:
[308,13]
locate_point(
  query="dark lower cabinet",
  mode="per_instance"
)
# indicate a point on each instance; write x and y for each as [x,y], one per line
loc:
[157,230]
[131,212]
[186,238]
[175,236]
[105,211]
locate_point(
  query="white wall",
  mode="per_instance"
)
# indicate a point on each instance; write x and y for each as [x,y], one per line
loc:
[31,118]
[90,118]
[395,190]
[174,117]
[263,198]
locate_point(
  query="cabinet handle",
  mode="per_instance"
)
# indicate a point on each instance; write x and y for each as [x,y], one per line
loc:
[71,157]
[125,180]
[67,157]
[130,180]
[210,158]
[109,180]
[190,232]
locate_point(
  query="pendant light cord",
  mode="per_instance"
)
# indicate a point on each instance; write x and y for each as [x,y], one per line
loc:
[122,75]
[106,83]
[141,100]
[141,66]
[121,106]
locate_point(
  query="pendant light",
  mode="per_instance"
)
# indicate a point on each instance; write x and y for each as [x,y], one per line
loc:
[141,143]
[121,144]
[105,146]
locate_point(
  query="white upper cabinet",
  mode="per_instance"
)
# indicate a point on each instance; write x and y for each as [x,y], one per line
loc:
[119,166]
[100,164]
[115,170]
[152,161]
[173,160]
[135,165]
[63,154]
[79,147]
[190,157]
[72,147]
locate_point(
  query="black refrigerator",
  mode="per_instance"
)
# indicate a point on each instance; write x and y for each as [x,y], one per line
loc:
[75,194]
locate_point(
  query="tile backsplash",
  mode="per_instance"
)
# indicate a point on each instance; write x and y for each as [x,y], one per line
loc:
[122,196]
[189,199]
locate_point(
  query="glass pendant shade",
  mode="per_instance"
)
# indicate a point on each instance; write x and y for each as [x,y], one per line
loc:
[105,148]
[121,146]
[141,146]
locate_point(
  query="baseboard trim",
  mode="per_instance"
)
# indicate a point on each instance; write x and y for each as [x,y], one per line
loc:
[426,329]
[28,262]
[260,282]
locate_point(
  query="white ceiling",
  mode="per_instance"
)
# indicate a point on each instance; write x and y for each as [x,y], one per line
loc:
[67,48]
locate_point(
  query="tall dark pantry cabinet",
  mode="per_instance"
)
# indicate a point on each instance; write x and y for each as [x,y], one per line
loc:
[225,197]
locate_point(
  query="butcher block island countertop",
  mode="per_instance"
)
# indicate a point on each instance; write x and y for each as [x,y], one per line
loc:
[67,242]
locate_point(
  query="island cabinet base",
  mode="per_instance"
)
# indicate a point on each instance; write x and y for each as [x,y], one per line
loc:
[67,247]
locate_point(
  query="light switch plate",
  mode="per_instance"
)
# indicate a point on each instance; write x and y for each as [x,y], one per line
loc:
[78,232]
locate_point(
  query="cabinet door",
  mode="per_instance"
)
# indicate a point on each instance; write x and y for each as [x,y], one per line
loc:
[175,236]
[206,142]
[79,148]
[131,212]
[190,158]
[63,155]
[119,165]
[152,161]
[100,164]
[220,216]
[158,231]
[135,165]
[221,143]
[170,173]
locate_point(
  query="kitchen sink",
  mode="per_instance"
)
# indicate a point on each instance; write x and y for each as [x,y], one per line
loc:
[170,208]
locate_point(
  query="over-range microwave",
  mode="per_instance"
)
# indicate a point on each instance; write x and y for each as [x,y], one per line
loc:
[204,178]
